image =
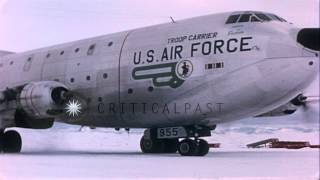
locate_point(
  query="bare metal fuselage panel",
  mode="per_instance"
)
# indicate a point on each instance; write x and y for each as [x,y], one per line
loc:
[197,71]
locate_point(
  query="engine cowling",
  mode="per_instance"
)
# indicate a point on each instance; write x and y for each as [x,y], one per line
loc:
[44,99]
[283,110]
[288,108]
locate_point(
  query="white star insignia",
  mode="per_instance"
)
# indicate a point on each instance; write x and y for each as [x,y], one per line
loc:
[73,108]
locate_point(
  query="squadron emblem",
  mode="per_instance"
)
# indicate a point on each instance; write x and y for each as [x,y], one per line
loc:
[184,69]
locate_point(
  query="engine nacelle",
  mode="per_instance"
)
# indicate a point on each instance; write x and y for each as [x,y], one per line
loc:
[288,108]
[43,99]
[283,110]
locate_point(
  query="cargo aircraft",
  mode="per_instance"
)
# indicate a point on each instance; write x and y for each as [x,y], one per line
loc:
[177,80]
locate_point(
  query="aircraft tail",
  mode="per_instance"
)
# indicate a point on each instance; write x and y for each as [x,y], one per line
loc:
[4,53]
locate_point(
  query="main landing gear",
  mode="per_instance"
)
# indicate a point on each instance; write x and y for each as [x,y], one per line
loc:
[166,140]
[10,141]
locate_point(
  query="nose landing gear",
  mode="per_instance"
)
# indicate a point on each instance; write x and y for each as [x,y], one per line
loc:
[10,142]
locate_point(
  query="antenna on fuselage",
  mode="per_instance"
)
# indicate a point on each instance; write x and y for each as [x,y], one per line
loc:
[173,21]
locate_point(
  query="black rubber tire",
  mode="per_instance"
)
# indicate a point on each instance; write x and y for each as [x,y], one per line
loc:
[203,147]
[1,140]
[146,145]
[171,145]
[12,142]
[188,147]
[152,145]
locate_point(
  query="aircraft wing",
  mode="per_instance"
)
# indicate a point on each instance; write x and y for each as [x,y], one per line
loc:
[4,53]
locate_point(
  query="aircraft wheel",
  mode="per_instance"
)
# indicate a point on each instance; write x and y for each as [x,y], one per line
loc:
[188,147]
[152,145]
[171,145]
[11,142]
[203,147]
[1,140]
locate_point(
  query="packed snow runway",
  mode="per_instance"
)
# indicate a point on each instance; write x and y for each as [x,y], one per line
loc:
[134,165]
[105,154]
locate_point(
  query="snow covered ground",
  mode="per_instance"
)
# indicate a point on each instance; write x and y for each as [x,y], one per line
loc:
[64,152]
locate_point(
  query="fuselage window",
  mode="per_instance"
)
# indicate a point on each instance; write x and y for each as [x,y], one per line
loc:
[91,49]
[150,89]
[27,65]
[245,18]
[88,78]
[105,75]
[232,19]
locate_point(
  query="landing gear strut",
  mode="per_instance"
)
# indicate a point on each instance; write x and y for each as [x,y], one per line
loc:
[166,140]
[10,141]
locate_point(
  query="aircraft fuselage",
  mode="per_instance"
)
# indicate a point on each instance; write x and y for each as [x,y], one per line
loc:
[197,71]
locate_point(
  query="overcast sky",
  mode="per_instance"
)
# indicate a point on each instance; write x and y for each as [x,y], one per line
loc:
[29,24]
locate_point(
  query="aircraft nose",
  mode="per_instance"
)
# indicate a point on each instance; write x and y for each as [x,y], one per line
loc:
[309,38]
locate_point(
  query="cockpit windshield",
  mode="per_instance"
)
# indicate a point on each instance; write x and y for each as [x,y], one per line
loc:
[245,18]
[263,17]
[276,18]
[253,17]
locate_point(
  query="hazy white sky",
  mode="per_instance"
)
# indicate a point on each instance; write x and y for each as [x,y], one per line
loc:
[29,24]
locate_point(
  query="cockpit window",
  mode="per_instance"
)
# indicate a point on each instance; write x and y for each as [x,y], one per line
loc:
[263,17]
[253,17]
[233,19]
[245,18]
[277,18]
[274,17]
[280,18]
